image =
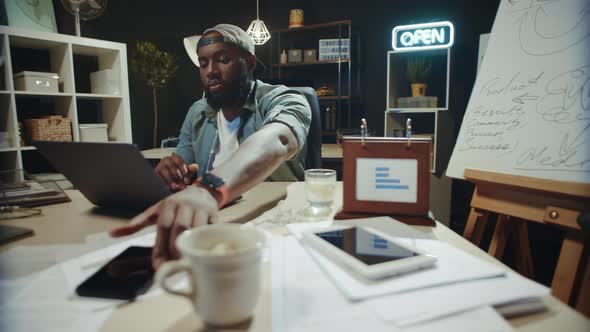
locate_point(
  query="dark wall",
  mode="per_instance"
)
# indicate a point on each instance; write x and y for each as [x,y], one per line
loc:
[167,22]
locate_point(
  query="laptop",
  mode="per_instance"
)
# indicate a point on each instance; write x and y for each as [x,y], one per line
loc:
[110,175]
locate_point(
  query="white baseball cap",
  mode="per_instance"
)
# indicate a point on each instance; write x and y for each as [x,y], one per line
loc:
[230,34]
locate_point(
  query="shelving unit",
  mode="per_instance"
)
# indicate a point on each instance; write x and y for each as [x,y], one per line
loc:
[425,121]
[343,75]
[73,59]
[433,122]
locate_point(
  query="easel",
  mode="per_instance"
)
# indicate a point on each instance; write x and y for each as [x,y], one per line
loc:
[518,200]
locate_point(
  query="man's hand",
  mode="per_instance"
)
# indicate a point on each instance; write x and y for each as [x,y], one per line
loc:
[175,172]
[189,208]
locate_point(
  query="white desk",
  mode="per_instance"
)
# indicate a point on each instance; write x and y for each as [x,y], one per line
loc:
[71,222]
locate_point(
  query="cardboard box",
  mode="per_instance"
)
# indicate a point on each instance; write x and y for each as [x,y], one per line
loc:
[295,56]
[93,132]
[310,55]
[417,102]
[36,81]
[104,82]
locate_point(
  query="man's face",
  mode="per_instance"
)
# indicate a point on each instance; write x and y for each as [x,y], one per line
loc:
[224,73]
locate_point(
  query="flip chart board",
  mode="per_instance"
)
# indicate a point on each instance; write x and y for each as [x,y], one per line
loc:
[529,111]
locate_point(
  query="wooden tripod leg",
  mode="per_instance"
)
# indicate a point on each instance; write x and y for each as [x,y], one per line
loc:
[562,285]
[476,225]
[583,301]
[500,238]
[524,260]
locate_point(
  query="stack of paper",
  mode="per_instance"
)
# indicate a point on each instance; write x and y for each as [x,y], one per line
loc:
[458,293]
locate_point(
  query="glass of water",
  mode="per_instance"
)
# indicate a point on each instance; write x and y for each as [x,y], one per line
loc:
[319,190]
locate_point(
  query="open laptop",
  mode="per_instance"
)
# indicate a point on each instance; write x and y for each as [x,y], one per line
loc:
[110,175]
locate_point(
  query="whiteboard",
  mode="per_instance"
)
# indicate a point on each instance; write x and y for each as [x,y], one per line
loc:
[529,111]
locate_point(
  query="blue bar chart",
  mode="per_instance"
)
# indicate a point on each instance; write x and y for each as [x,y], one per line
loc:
[386,180]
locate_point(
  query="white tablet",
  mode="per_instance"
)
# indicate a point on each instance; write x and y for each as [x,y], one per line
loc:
[367,252]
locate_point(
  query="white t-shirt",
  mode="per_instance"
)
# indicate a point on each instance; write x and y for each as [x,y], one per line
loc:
[228,138]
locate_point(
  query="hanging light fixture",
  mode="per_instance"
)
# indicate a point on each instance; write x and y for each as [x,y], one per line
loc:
[257,30]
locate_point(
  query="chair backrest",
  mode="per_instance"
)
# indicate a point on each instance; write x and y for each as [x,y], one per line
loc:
[313,157]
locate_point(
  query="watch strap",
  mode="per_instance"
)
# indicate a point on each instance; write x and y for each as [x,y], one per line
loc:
[220,193]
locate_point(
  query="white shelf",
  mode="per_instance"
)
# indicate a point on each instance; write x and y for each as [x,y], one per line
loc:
[8,149]
[62,53]
[96,96]
[42,94]
[414,110]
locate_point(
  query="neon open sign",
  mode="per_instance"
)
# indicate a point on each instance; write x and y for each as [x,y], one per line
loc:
[425,36]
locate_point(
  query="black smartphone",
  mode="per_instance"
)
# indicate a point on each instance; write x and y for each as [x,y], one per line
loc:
[124,277]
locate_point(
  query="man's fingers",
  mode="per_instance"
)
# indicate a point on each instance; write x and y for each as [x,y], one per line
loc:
[192,168]
[139,222]
[200,218]
[179,165]
[213,219]
[160,253]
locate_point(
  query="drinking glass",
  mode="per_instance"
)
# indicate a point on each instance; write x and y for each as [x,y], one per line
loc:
[319,190]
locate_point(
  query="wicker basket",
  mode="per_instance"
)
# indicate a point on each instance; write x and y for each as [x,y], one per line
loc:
[49,128]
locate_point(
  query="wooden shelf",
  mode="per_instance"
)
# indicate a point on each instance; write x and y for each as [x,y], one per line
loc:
[314,26]
[299,64]
[336,98]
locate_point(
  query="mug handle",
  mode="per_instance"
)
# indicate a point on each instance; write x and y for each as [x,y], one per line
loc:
[170,268]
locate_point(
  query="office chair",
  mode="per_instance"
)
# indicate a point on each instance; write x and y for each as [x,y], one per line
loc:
[313,158]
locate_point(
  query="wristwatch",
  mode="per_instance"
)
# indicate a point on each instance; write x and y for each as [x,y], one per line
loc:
[216,186]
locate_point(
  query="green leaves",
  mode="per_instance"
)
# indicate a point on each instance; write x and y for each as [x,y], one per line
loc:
[155,67]
[418,69]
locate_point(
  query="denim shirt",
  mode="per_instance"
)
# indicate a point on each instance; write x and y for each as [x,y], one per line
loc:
[265,104]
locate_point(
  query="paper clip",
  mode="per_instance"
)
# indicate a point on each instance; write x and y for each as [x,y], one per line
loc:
[408,130]
[363,131]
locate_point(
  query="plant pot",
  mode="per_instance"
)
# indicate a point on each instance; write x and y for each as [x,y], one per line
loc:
[418,89]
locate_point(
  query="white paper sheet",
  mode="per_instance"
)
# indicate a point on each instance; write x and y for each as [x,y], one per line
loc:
[410,308]
[303,299]
[453,265]
[46,300]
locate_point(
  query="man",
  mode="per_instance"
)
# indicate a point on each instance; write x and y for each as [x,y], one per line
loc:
[242,133]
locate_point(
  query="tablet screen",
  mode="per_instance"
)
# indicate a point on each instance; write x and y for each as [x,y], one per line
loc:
[365,246]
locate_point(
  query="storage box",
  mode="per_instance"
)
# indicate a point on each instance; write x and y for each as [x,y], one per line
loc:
[36,81]
[334,49]
[295,56]
[310,55]
[417,102]
[49,128]
[93,132]
[104,82]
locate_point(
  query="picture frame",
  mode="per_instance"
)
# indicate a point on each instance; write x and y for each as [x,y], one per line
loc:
[30,14]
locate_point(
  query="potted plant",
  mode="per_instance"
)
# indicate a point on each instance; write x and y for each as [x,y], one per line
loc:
[418,69]
[156,68]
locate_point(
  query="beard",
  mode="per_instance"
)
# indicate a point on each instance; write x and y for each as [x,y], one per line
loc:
[234,92]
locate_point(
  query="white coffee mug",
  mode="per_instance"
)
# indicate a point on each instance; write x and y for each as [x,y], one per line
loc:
[223,262]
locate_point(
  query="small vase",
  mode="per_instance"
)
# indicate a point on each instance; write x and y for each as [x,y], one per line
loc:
[418,89]
[295,18]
